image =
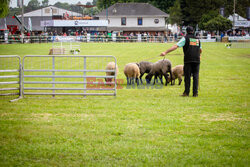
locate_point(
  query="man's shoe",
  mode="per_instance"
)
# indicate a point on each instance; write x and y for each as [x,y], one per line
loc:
[184,95]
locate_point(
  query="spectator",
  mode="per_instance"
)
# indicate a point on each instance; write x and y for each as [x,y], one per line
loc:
[175,36]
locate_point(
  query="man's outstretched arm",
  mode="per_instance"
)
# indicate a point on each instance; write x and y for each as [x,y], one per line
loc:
[174,47]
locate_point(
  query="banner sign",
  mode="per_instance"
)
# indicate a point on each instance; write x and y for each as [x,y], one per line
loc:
[239,38]
[65,38]
[47,23]
[208,40]
[242,23]
[74,23]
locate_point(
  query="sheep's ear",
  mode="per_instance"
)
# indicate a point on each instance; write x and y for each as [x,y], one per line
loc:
[138,64]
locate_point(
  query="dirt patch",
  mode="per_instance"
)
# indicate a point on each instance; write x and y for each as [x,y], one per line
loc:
[223,117]
[246,56]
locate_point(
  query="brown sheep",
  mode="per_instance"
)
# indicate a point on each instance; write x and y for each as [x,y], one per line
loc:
[178,72]
[111,66]
[132,71]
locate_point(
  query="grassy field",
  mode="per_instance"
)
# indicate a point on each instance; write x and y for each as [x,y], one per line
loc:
[140,127]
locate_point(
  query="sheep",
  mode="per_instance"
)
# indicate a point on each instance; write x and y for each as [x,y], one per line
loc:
[178,72]
[161,67]
[132,71]
[145,67]
[111,66]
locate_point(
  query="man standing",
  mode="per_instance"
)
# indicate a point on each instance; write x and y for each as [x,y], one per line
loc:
[192,50]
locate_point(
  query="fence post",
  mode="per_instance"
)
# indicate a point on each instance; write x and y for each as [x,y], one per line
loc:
[84,74]
[53,73]
[20,78]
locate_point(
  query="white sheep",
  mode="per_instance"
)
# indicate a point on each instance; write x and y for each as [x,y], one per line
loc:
[132,71]
[111,66]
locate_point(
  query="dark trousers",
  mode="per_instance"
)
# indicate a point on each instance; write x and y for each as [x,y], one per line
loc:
[191,69]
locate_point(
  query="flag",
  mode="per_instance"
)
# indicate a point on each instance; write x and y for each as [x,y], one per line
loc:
[30,24]
[5,24]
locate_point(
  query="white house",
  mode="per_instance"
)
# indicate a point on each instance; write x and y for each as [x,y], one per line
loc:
[134,17]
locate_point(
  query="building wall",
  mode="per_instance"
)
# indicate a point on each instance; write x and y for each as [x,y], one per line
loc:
[132,22]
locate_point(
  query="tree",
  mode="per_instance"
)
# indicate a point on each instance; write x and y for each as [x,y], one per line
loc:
[192,11]
[206,17]
[13,11]
[32,5]
[218,23]
[45,3]
[164,5]
[88,3]
[90,11]
[175,13]
[240,7]
[94,2]
[62,5]
[4,8]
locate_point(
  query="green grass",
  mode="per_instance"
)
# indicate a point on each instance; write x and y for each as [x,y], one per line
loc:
[140,127]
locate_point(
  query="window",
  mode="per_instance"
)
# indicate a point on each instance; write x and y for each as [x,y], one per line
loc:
[123,21]
[139,20]
[54,11]
[47,10]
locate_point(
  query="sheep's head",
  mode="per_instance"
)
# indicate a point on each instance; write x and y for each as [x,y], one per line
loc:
[138,64]
[108,79]
[169,79]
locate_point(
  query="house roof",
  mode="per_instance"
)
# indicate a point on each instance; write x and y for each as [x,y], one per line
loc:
[132,9]
[47,11]
[237,17]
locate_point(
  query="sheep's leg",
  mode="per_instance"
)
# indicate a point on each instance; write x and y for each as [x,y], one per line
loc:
[180,80]
[128,81]
[161,79]
[154,79]
[166,78]
[137,81]
[173,81]
[132,80]
[171,77]
[141,78]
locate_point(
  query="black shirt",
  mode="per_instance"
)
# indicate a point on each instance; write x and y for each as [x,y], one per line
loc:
[191,49]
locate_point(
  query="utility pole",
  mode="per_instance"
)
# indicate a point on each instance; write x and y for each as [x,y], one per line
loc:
[234,17]
[106,10]
[22,29]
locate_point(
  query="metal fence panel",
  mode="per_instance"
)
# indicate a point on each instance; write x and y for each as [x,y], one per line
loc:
[245,44]
[10,75]
[68,75]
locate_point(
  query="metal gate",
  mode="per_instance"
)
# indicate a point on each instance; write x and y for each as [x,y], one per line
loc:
[10,75]
[68,75]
